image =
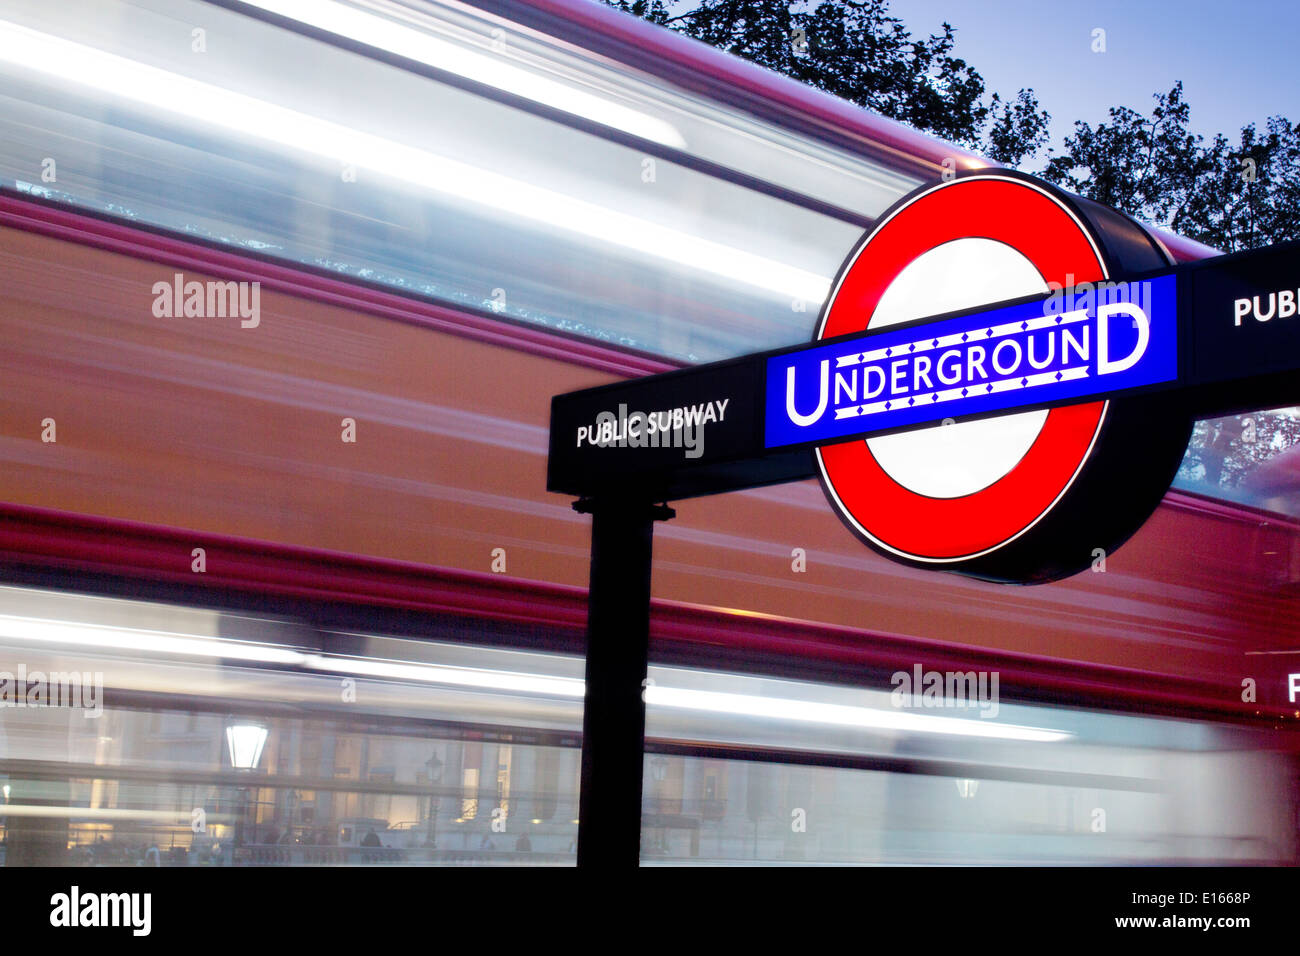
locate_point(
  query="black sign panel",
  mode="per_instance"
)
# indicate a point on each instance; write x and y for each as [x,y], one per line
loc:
[692,432]
[1245,314]
[702,430]
[1242,312]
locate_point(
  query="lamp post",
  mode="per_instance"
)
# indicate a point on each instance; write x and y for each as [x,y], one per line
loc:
[244,743]
[435,775]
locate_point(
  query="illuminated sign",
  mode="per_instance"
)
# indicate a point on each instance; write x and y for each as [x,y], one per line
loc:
[1001,383]
[971,365]
[994,496]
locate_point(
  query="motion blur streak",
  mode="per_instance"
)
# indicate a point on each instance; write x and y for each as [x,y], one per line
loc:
[419,45]
[178,94]
[793,710]
[422,763]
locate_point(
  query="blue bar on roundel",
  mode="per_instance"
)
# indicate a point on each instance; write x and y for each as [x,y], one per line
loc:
[1083,342]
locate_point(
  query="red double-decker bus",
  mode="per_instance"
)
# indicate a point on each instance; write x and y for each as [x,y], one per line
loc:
[285,291]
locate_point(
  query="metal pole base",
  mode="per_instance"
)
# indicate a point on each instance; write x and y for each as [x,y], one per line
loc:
[613,719]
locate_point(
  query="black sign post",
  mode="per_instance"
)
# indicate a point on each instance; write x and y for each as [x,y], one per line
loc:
[613,716]
[1234,347]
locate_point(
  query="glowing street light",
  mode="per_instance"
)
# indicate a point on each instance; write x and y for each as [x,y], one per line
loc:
[245,742]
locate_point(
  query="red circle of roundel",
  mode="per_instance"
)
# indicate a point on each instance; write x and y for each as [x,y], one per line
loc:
[948,529]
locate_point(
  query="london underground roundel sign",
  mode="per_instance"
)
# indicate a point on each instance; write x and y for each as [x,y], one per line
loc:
[1001,384]
[995,496]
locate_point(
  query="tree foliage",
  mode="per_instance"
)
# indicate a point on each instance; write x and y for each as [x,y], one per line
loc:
[858,51]
[1230,195]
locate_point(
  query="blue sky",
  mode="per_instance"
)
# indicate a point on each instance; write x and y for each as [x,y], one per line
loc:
[1237,60]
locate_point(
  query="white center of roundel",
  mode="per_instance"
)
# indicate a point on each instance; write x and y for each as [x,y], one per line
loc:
[949,461]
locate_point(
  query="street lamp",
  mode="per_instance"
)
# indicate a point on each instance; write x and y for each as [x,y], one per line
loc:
[244,742]
[435,774]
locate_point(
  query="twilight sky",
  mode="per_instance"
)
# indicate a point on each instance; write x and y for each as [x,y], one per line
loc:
[1236,60]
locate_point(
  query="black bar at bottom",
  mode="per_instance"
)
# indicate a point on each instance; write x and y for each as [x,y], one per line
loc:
[1083,902]
[613,717]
